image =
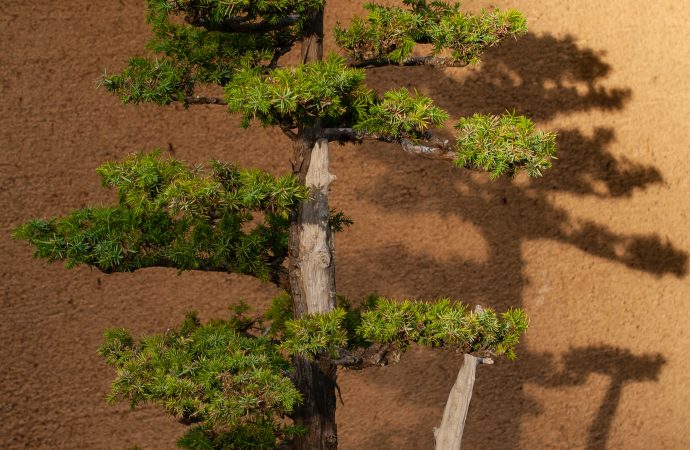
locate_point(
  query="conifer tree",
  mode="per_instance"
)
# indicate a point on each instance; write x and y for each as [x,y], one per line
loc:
[269,381]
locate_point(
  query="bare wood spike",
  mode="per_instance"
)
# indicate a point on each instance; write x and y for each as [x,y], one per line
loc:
[449,435]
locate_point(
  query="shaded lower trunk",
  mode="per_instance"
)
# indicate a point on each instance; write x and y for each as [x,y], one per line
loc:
[312,281]
[316,382]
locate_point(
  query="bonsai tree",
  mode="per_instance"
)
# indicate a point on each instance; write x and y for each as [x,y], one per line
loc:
[268,380]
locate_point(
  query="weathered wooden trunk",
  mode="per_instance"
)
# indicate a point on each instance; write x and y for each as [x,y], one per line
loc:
[449,434]
[312,280]
[312,269]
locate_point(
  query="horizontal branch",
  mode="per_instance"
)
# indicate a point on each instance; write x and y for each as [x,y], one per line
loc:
[287,131]
[433,149]
[277,54]
[234,26]
[381,355]
[376,355]
[277,274]
[200,100]
[432,61]
[430,146]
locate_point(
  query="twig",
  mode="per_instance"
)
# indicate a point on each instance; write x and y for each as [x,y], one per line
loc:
[432,61]
[234,26]
[200,100]
[429,146]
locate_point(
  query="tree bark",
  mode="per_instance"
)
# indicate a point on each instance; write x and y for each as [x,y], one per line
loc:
[312,272]
[311,267]
[449,434]
[312,41]
[312,280]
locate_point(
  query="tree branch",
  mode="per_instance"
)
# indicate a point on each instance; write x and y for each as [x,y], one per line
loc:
[287,130]
[376,355]
[200,100]
[436,149]
[432,61]
[235,26]
[277,274]
[430,146]
[277,53]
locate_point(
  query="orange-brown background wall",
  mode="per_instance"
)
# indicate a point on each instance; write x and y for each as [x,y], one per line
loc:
[596,251]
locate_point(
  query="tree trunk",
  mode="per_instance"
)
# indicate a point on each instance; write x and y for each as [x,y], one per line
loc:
[449,434]
[312,269]
[312,280]
[312,41]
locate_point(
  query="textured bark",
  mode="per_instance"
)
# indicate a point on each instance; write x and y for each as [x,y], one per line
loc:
[312,280]
[311,259]
[432,61]
[312,42]
[317,382]
[312,270]
[429,146]
[449,434]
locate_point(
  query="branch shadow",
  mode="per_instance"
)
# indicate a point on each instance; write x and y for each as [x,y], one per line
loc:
[620,365]
[539,76]
[565,78]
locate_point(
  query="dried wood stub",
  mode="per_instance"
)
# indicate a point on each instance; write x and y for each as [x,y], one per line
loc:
[449,434]
[316,241]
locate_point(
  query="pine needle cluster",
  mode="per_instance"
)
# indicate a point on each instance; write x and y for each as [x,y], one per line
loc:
[226,14]
[443,323]
[400,114]
[440,323]
[231,378]
[333,94]
[234,385]
[206,42]
[327,90]
[230,220]
[391,33]
[503,145]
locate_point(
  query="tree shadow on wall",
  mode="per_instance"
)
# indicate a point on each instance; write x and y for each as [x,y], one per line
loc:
[620,365]
[539,76]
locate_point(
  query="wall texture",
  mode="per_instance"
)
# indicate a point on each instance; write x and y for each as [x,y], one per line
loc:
[596,251]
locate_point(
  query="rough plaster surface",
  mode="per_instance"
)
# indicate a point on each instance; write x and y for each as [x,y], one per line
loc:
[596,251]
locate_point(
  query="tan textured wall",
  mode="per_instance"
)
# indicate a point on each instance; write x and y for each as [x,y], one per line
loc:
[596,251]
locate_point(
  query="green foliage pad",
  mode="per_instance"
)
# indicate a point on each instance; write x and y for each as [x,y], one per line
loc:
[234,384]
[170,215]
[504,144]
[391,33]
[441,323]
[232,377]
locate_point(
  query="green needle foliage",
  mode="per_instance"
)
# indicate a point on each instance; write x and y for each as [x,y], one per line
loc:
[316,334]
[235,384]
[400,114]
[219,14]
[231,379]
[204,50]
[504,144]
[332,93]
[441,323]
[155,81]
[391,33]
[173,216]
[326,90]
